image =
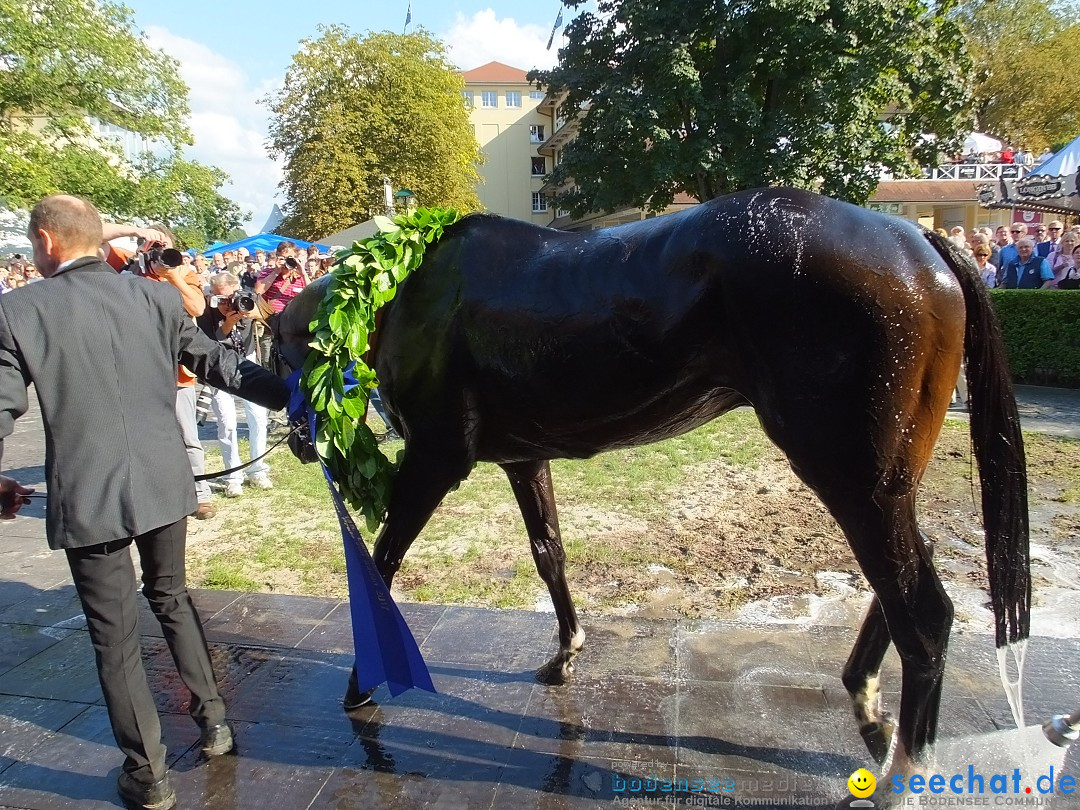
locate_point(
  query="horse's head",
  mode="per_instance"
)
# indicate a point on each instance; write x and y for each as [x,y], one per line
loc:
[291,345]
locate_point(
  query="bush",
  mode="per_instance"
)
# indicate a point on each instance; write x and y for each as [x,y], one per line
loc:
[1042,335]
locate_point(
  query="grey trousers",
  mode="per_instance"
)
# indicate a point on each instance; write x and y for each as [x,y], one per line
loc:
[189,431]
[105,581]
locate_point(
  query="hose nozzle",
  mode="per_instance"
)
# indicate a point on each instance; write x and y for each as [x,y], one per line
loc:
[1063,729]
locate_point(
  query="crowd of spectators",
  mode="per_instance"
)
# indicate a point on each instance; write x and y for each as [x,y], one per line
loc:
[1021,156]
[1043,256]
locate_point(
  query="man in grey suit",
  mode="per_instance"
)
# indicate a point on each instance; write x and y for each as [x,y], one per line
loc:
[101,350]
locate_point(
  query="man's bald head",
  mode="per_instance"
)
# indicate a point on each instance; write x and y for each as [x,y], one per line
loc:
[62,228]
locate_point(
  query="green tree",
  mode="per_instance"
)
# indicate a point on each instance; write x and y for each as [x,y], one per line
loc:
[67,59]
[708,97]
[384,105]
[185,196]
[1027,54]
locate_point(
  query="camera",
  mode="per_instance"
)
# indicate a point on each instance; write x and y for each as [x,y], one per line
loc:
[156,253]
[240,301]
[291,263]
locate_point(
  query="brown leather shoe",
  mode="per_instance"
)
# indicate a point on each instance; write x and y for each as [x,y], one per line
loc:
[204,512]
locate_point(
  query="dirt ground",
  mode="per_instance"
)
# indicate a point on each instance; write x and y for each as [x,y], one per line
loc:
[758,545]
[729,540]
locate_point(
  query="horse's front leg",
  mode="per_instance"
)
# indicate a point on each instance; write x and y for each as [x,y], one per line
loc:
[531,483]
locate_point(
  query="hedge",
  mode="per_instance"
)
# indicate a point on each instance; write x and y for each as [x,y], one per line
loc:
[1042,335]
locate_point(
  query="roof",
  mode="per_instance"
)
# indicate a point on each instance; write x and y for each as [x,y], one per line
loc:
[495,73]
[926,191]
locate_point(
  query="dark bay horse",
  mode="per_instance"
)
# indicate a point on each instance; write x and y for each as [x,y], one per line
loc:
[844,329]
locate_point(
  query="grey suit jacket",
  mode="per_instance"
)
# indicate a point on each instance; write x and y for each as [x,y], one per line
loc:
[101,350]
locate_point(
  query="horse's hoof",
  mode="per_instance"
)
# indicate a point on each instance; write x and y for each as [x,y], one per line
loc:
[878,738]
[354,698]
[555,672]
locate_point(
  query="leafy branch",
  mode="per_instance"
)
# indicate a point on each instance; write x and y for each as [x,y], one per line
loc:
[365,277]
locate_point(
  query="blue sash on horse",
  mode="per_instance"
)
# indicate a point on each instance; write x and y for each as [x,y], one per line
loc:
[390,654]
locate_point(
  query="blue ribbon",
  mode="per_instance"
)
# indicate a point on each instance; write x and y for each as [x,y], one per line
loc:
[390,653]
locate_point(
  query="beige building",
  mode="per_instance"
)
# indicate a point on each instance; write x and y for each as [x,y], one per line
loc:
[522,131]
[509,127]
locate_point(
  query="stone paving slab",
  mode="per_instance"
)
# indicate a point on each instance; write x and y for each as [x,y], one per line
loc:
[652,700]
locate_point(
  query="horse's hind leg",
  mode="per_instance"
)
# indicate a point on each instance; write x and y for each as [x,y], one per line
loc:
[862,681]
[890,550]
[862,677]
[531,483]
[420,485]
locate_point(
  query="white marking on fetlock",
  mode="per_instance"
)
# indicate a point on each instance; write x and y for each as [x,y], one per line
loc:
[898,763]
[577,641]
[867,701]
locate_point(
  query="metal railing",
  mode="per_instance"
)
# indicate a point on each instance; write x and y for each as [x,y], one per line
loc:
[976,171]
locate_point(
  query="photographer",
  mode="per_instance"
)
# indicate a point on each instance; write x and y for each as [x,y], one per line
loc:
[228,319]
[277,286]
[157,260]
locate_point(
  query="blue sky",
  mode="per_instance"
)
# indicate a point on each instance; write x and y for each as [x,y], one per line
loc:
[231,53]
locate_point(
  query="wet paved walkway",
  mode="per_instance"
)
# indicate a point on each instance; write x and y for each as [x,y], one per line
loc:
[670,700]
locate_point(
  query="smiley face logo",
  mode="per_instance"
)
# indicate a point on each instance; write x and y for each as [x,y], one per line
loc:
[861,783]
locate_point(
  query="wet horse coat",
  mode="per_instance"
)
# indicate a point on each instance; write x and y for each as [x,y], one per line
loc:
[844,329]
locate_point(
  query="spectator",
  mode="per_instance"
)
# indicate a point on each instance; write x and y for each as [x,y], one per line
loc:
[1045,156]
[987,270]
[1071,279]
[1007,155]
[1041,246]
[1027,271]
[314,267]
[1055,228]
[1018,230]
[219,262]
[250,274]
[1024,157]
[226,323]
[276,287]
[1061,261]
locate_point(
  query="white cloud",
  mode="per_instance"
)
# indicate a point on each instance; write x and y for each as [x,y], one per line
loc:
[482,38]
[228,124]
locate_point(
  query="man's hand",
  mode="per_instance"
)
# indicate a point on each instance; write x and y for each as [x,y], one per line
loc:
[12,497]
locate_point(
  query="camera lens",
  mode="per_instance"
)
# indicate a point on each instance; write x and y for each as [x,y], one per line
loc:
[292,263]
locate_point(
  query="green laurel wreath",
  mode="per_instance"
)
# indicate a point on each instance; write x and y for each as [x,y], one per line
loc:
[364,278]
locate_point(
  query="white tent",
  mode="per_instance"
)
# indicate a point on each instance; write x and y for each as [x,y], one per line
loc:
[977,142]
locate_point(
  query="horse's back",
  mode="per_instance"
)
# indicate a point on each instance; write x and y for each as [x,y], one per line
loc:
[572,343]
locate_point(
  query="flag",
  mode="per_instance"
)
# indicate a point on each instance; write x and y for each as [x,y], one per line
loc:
[408,17]
[554,28]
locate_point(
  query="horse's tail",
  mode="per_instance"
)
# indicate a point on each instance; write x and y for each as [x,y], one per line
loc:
[999,451]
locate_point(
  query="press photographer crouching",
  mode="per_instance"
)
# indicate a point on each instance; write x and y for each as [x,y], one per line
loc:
[229,319]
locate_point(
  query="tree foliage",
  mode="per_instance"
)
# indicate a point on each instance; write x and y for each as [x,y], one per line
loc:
[355,110]
[1027,54]
[62,61]
[70,58]
[712,96]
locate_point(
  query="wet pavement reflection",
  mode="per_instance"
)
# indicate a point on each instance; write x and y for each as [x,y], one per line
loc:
[705,712]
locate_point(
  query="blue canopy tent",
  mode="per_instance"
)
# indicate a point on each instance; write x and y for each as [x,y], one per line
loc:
[263,241]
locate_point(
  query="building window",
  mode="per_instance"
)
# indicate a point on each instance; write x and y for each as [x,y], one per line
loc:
[562,212]
[539,203]
[536,133]
[536,95]
[489,98]
[539,166]
[468,96]
[513,98]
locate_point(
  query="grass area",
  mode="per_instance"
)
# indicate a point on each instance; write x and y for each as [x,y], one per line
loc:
[714,506]
[475,549]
